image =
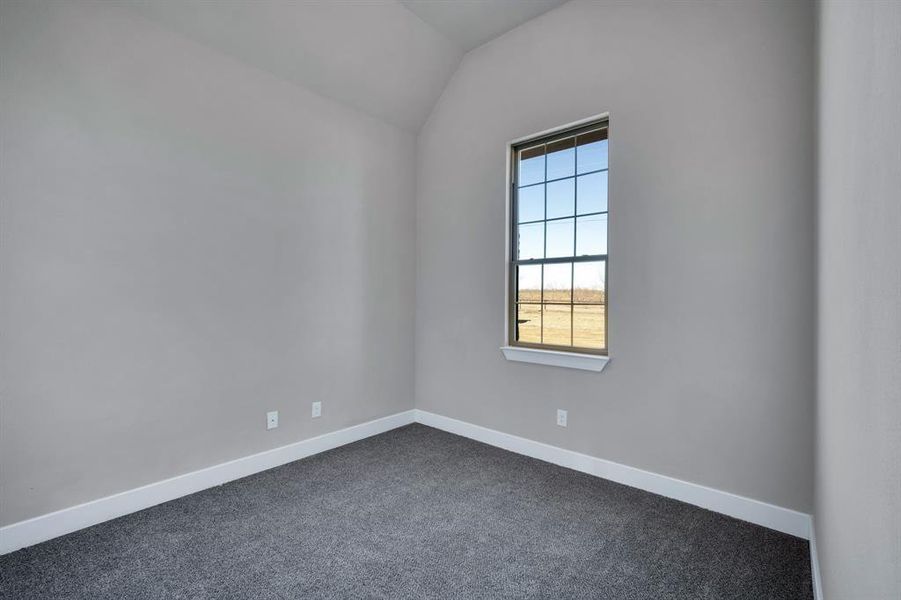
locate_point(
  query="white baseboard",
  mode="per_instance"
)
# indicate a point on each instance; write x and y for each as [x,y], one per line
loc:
[768,515]
[815,565]
[45,527]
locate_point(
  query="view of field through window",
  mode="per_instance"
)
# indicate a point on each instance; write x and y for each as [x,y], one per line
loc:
[560,257]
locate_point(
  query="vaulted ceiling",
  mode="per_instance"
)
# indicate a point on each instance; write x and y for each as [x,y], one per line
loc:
[383,57]
[471,23]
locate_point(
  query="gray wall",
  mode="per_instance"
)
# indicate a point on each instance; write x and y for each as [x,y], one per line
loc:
[712,316]
[858,482]
[186,243]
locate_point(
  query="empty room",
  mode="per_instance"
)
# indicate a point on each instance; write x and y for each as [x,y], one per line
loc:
[450,299]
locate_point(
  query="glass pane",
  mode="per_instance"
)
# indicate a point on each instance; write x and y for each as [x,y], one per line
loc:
[528,283]
[528,323]
[556,324]
[591,154]
[592,190]
[558,282]
[560,238]
[561,198]
[531,165]
[530,241]
[561,158]
[591,235]
[589,282]
[588,327]
[531,204]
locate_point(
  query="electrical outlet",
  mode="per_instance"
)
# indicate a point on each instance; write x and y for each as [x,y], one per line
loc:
[561,417]
[317,409]
[272,419]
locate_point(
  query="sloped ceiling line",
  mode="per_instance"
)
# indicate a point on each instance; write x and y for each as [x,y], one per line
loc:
[385,58]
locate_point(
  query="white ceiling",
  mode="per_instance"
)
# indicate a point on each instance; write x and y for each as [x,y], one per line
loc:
[373,55]
[471,23]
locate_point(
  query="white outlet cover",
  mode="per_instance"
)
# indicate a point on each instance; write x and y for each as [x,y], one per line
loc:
[317,409]
[561,417]
[272,419]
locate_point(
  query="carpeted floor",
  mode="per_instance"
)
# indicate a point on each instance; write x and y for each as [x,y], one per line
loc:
[416,513]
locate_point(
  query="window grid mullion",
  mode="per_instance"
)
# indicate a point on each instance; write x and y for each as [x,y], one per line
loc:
[544,254]
[536,303]
[533,302]
[528,185]
[573,216]
[572,266]
[561,259]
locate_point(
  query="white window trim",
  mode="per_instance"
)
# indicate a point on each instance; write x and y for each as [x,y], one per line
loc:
[554,358]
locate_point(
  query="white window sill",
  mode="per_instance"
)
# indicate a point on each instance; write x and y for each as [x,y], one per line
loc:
[554,358]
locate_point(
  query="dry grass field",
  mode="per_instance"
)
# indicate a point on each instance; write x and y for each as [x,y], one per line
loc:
[576,325]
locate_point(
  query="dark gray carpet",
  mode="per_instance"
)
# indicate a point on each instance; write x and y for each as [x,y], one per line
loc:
[416,513]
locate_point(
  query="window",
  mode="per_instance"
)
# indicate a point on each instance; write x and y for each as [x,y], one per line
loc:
[558,255]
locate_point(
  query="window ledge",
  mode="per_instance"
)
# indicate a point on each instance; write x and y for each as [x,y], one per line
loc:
[554,358]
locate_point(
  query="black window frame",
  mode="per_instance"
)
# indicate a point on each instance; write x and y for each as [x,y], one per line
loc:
[514,262]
